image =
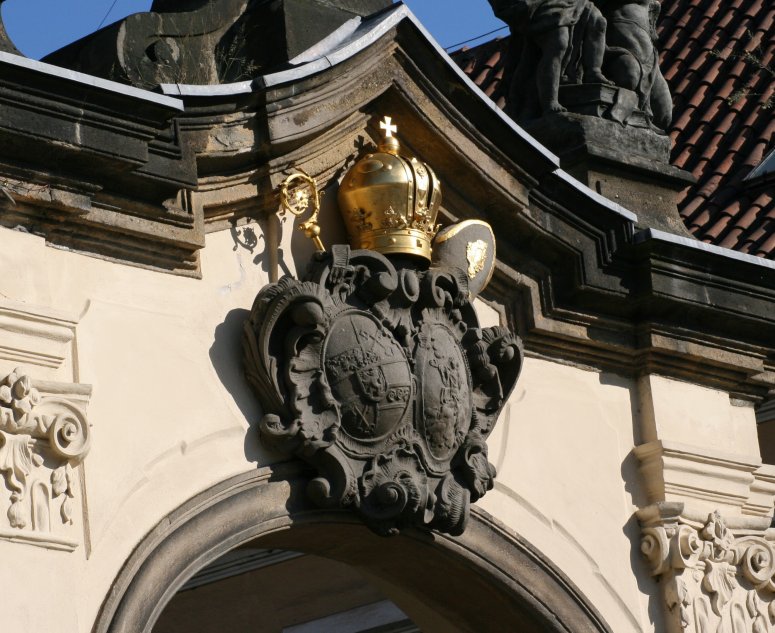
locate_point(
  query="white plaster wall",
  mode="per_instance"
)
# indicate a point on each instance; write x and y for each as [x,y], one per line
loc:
[169,409]
[567,482]
[696,416]
[171,415]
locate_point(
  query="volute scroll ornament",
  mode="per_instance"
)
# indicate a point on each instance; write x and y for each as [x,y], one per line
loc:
[43,439]
[374,369]
[712,580]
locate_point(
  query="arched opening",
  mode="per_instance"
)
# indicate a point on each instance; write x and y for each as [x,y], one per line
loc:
[249,590]
[488,579]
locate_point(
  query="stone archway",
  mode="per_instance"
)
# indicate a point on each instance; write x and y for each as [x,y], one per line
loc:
[486,579]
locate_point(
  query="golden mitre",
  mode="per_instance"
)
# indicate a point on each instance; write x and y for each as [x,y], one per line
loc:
[390,202]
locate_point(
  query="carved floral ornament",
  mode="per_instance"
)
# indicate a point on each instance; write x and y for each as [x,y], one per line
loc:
[374,369]
[42,438]
[713,581]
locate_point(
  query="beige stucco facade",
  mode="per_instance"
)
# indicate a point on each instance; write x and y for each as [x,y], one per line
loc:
[630,496]
[170,416]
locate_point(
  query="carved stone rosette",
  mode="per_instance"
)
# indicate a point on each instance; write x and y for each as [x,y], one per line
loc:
[713,581]
[379,376]
[42,439]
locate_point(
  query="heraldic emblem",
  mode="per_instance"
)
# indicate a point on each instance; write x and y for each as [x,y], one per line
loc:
[373,369]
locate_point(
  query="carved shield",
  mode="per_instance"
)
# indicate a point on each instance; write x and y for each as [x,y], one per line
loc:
[369,376]
[444,406]
[382,379]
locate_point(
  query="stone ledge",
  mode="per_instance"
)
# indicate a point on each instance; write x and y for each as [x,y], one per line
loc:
[629,165]
[97,167]
[705,480]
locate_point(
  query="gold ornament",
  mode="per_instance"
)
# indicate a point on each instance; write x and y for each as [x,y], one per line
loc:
[390,202]
[476,254]
[298,193]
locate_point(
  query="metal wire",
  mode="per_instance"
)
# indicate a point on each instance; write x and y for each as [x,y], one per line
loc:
[446,48]
[112,6]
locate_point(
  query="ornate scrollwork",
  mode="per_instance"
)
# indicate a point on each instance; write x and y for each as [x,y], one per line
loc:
[41,440]
[379,375]
[299,193]
[712,580]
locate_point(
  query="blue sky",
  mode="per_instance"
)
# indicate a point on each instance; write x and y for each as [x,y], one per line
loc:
[38,27]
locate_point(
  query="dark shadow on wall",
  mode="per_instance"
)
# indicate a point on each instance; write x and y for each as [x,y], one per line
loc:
[332,224]
[635,489]
[647,584]
[226,357]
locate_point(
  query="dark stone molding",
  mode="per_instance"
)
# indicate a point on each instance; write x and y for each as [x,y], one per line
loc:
[96,167]
[602,298]
[504,579]
[632,304]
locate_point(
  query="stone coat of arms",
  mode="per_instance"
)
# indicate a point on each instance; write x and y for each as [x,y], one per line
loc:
[374,370]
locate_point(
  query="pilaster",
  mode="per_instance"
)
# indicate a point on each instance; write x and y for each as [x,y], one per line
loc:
[44,430]
[706,533]
[712,578]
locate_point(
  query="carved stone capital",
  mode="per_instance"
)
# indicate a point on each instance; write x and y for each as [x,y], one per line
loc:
[44,435]
[712,578]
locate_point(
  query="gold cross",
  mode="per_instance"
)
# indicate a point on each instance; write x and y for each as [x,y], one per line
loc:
[388,127]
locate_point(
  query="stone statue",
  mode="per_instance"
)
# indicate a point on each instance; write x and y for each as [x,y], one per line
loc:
[207,41]
[6,45]
[562,41]
[609,43]
[632,60]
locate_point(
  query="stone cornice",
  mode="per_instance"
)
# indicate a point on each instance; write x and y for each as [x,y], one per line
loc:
[96,166]
[34,336]
[736,484]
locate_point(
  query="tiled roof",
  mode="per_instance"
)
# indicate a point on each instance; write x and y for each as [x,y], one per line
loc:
[484,65]
[723,121]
